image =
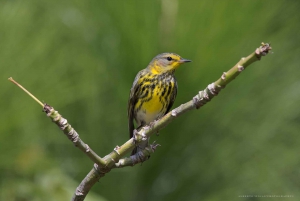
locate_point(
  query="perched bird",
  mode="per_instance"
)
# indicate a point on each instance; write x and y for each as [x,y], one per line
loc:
[153,92]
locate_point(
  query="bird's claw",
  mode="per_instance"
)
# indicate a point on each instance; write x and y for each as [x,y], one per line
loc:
[134,135]
[154,145]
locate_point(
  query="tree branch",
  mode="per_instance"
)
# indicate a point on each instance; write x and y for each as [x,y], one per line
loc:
[116,158]
[70,132]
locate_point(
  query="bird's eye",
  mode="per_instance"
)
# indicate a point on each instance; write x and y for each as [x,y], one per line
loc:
[169,58]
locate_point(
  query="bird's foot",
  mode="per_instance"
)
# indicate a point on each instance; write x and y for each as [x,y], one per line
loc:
[134,135]
[154,145]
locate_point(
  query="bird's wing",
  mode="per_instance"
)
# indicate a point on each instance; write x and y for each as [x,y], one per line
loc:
[172,97]
[132,101]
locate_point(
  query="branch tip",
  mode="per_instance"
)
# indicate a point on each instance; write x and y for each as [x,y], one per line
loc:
[263,50]
[26,91]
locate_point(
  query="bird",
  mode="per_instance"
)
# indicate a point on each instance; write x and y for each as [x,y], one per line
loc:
[153,93]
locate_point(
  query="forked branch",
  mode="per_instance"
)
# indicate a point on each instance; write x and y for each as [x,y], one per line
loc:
[116,158]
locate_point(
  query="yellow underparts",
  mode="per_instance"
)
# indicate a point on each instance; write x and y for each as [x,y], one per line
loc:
[153,105]
[151,109]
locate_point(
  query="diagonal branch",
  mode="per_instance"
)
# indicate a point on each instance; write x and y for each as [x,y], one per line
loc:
[70,132]
[116,158]
[198,101]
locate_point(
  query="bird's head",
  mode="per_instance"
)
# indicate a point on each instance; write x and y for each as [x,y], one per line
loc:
[166,62]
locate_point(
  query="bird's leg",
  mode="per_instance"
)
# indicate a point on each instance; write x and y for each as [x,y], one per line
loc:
[134,135]
[142,135]
[154,145]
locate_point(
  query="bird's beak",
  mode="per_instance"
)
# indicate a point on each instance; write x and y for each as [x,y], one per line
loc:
[184,60]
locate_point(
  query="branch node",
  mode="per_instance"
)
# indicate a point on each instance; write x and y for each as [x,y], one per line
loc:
[198,99]
[63,123]
[47,109]
[206,95]
[174,113]
[78,192]
[116,150]
[73,136]
[87,148]
[223,77]
[258,53]
[212,89]
[196,102]
[240,68]
[101,171]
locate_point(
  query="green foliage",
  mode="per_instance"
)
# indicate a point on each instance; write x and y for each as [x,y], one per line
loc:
[81,58]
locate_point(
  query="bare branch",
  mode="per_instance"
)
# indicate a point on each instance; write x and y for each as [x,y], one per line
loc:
[116,158]
[70,132]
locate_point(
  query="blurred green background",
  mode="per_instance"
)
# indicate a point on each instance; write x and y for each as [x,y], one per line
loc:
[81,57]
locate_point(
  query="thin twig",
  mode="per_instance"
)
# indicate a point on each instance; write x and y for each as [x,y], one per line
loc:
[30,94]
[115,158]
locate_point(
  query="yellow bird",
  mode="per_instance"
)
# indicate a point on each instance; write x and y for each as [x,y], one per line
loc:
[153,92]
